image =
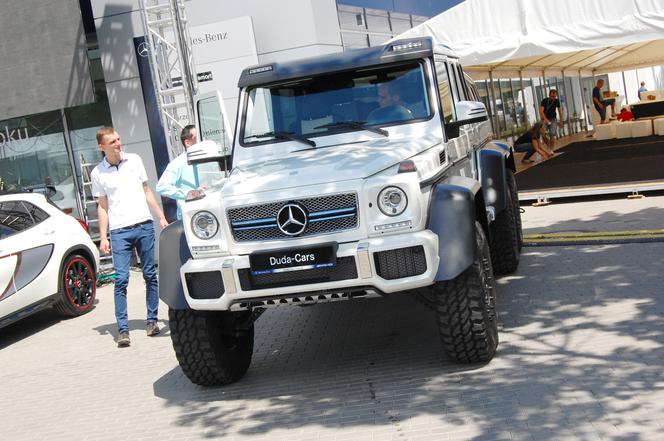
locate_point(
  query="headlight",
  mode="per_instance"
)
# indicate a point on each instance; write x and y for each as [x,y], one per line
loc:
[392,201]
[204,225]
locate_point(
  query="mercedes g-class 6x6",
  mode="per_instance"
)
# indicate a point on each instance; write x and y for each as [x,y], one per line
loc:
[352,175]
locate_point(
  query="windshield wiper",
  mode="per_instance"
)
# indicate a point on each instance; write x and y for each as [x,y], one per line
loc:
[284,135]
[354,125]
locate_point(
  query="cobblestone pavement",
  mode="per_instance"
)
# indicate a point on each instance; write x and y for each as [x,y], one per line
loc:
[580,358]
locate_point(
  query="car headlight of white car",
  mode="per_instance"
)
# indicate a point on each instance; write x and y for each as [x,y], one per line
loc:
[392,201]
[204,225]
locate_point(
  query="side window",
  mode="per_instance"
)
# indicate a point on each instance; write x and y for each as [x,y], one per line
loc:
[463,90]
[17,216]
[454,83]
[445,92]
[471,89]
[211,122]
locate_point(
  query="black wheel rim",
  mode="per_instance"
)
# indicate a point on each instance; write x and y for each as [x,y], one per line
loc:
[79,283]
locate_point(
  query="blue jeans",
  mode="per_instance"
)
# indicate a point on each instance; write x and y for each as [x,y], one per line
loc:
[602,112]
[528,148]
[123,242]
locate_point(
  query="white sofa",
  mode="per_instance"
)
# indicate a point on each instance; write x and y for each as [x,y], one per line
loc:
[658,126]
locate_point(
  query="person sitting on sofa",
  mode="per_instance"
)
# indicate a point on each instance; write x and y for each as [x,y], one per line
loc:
[625,115]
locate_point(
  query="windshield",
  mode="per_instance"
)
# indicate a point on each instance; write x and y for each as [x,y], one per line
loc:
[342,101]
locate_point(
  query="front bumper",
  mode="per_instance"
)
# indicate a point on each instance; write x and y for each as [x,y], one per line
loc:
[224,283]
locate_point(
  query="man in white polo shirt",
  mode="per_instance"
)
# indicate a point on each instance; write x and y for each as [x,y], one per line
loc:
[119,182]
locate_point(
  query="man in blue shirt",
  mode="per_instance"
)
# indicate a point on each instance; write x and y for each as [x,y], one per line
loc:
[179,177]
[600,104]
[642,89]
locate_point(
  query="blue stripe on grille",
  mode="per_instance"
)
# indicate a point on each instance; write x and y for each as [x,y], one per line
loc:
[253,222]
[255,227]
[341,216]
[324,213]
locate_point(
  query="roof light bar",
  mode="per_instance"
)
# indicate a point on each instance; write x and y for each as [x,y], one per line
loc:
[260,69]
[407,46]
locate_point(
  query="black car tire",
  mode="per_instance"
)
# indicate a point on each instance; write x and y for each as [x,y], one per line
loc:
[466,309]
[504,238]
[213,348]
[514,192]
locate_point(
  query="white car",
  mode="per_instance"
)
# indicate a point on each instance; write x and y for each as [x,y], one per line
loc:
[47,259]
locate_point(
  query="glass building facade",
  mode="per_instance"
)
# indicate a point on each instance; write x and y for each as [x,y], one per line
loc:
[46,149]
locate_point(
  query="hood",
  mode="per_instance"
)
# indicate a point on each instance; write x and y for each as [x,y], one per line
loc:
[310,166]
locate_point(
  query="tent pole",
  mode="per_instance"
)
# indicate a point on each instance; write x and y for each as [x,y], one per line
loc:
[502,102]
[583,102]
[573,101]
[533,90]
[625,84]
[523,97]
[567,101]
[516,118]
[493,102]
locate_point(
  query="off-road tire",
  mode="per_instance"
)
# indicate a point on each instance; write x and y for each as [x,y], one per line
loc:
[514,192]
[504,238]
[212,348]
[77,286]
[466,309]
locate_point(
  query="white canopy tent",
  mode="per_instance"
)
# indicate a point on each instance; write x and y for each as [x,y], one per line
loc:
[512,38]
[517,39]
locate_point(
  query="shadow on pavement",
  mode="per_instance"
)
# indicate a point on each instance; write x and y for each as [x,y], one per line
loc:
[135,325]
[28,326]
[582,343]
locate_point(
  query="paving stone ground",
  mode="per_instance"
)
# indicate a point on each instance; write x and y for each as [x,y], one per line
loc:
[581,357]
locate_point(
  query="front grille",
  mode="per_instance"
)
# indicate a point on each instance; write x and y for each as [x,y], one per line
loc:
[344,269]
[400,263]
[205,285]
[326,214]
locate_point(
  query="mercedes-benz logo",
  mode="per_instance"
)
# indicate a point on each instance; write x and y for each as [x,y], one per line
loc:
[292,219]
[143,49]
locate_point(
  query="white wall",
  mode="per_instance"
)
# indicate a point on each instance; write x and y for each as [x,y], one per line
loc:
[282,30]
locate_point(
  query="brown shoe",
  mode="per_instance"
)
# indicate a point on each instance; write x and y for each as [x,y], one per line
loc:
[152,329]
[123,339]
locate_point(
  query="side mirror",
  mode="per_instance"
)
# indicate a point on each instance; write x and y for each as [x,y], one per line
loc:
[208,151]
[471,110]
[468,112]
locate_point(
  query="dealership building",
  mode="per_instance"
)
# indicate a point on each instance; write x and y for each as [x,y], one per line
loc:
[85,69]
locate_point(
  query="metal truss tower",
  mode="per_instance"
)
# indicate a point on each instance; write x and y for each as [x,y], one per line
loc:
[172,65]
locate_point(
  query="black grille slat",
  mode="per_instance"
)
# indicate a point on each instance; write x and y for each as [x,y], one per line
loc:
[400,263]
[321,211]
[205,285]
[344,269]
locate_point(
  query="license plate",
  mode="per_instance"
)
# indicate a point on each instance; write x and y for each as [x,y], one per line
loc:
[293,259]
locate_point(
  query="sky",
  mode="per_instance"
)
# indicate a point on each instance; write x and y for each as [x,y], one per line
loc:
[428,8]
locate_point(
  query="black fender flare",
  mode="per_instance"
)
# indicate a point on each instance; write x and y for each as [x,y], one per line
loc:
[455,205]
[173,253]
[494,159]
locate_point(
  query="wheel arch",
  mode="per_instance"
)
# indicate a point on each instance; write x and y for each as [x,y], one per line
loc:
[494,160]
[173,253]
[83,251]
[455,206]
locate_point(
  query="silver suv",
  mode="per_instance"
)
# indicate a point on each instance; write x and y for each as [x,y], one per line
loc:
[358,174]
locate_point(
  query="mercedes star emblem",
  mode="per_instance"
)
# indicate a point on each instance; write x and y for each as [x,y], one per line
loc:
[143,49]
[292,219]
